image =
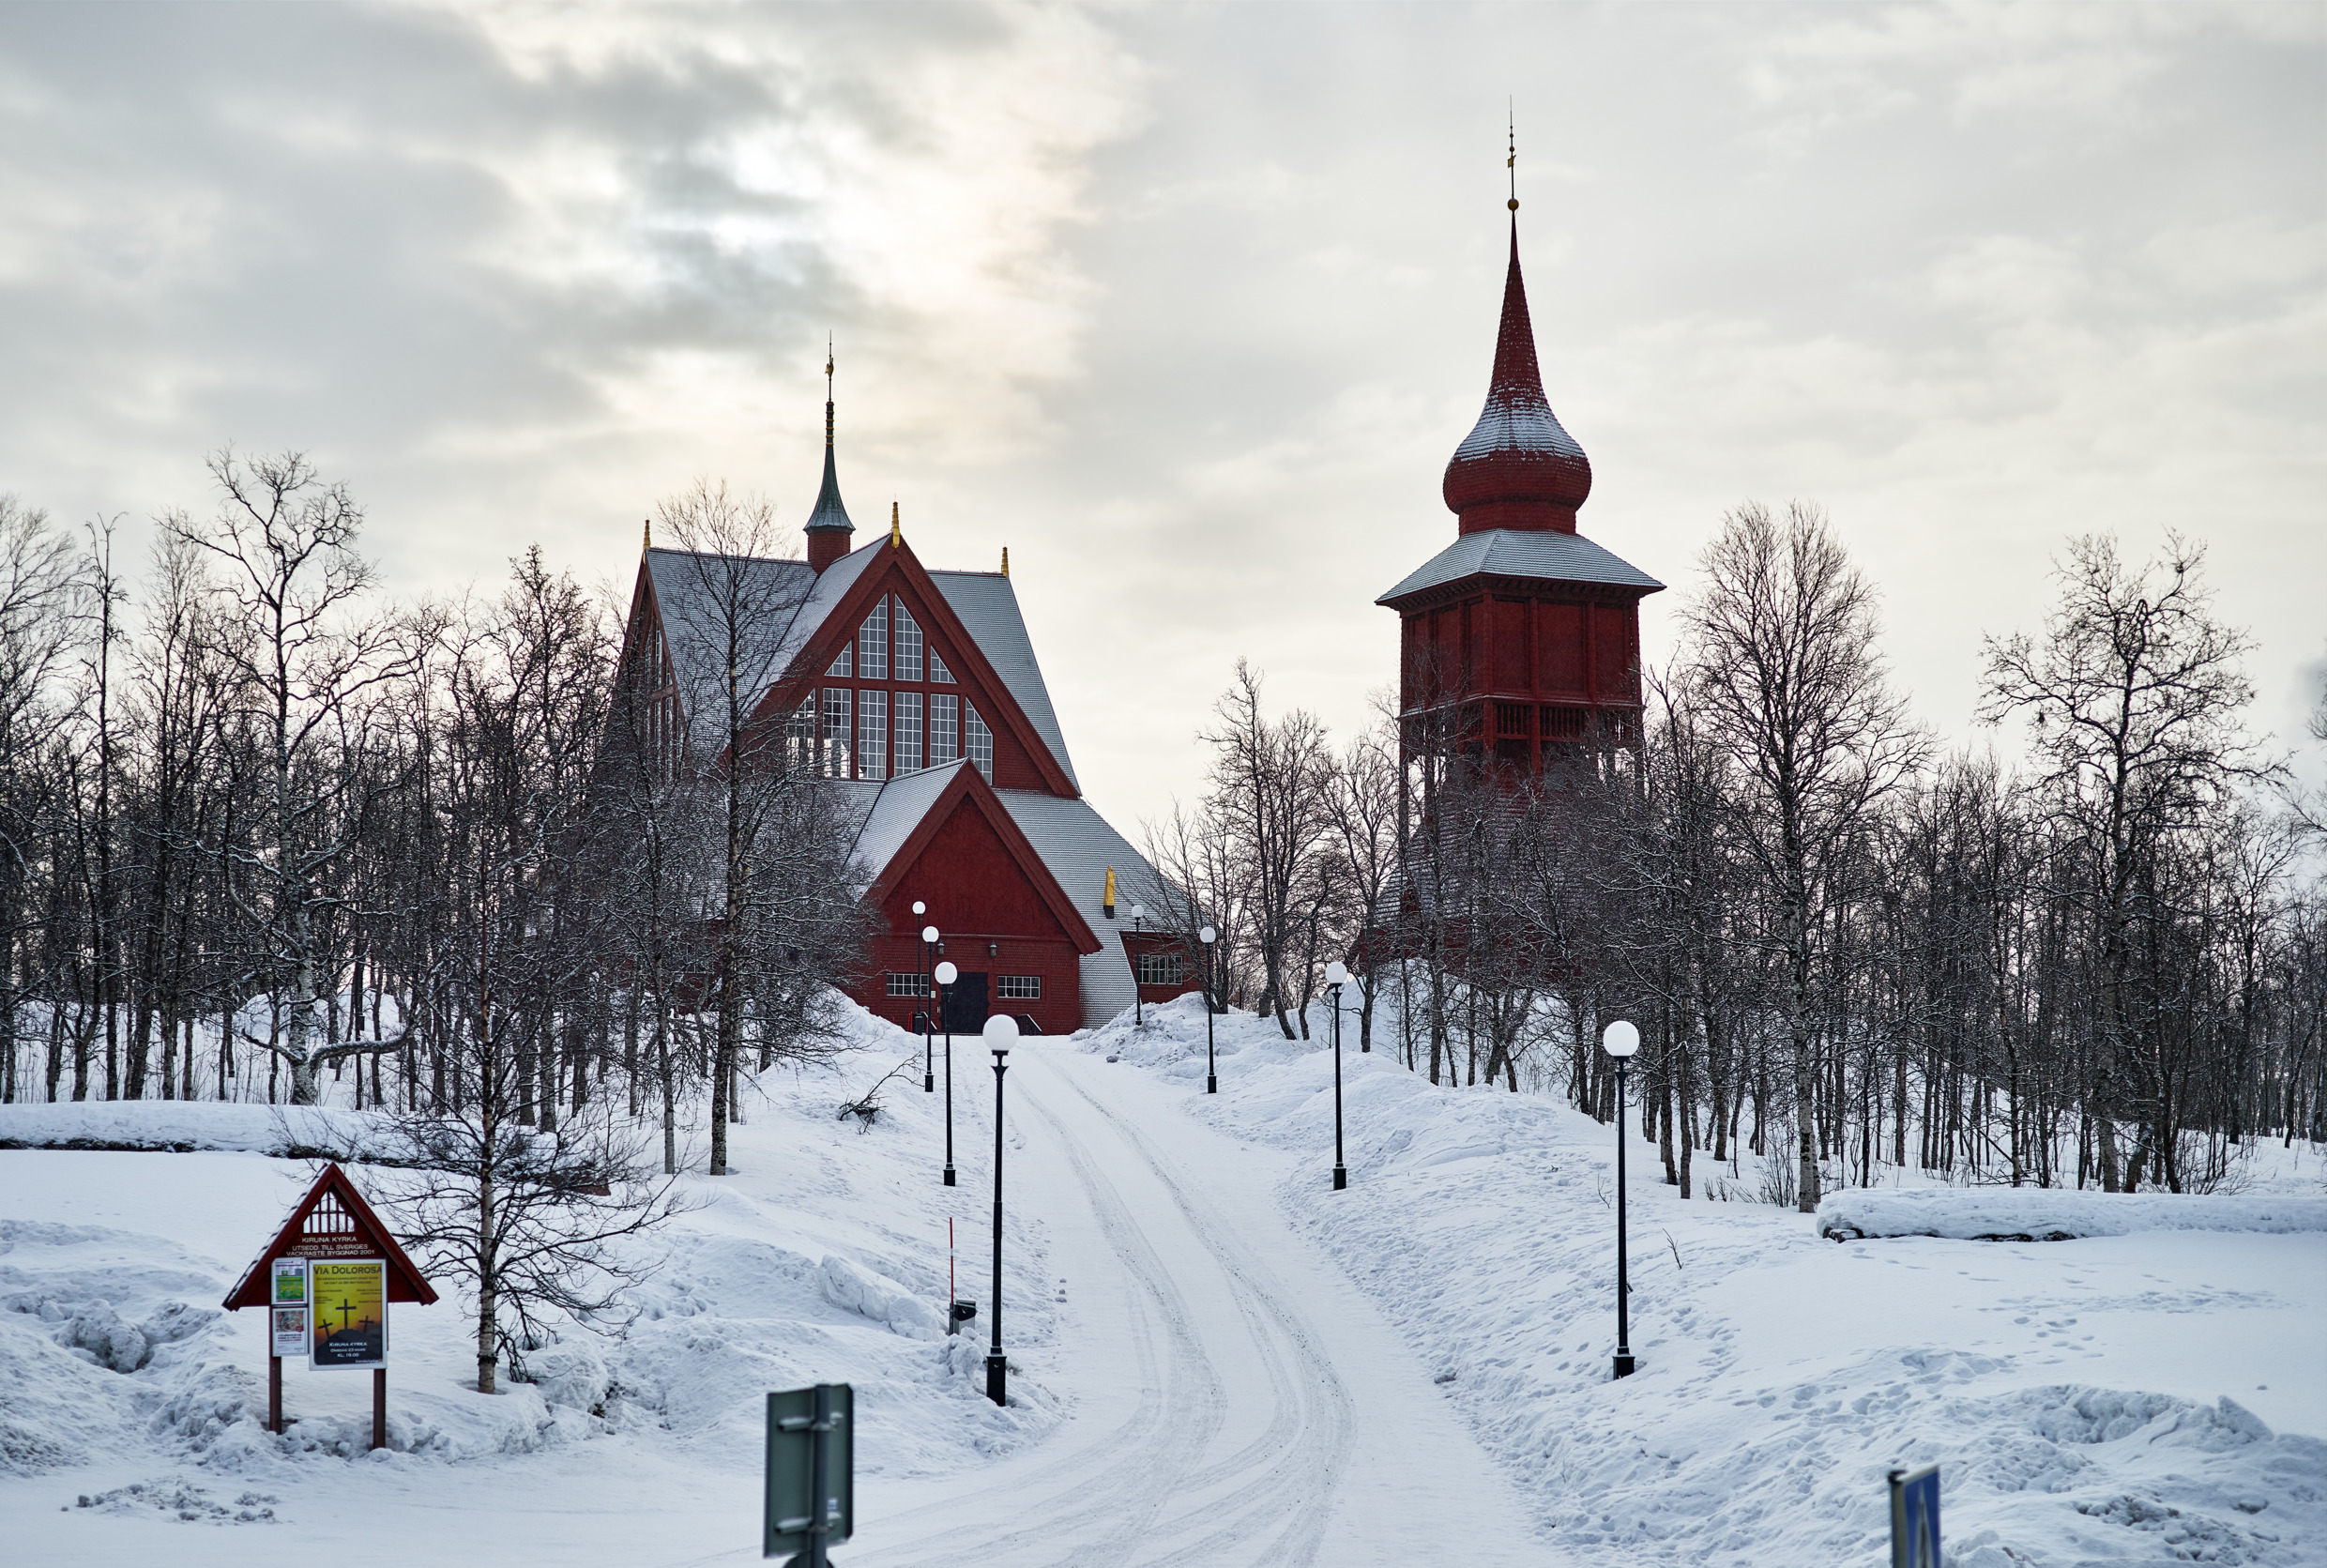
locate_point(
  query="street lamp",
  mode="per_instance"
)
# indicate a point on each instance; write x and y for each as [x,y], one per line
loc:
[1620,1040]
[1211,1069]
[947,974]
[929,940]
[1139,1018]
[1336,975]
[1001,1029]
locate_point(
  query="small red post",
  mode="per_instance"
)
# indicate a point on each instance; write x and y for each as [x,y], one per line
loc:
[379,1407]
[274,1393]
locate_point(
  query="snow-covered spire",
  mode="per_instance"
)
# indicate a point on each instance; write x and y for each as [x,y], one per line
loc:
[1518,468]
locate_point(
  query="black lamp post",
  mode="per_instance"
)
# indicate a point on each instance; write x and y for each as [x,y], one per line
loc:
[1211,1069]
[1620,1040]
[1001,1029]
[1139,1017]
[1336,974]
[929,940]
[947,974]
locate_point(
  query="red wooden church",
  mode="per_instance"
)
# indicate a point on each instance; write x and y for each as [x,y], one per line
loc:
[1521,640]
[918,692]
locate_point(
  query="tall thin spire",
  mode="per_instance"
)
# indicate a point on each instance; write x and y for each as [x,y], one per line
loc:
[828,527]
[1518,467]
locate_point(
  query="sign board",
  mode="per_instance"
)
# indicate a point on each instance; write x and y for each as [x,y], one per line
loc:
[1915,1517]
[350,1312]
[812,1461]
[286,1308]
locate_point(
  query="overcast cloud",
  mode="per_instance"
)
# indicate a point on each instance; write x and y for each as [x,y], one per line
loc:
[1188,306]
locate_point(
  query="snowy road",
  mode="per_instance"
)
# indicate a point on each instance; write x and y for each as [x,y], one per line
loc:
[1237,1401]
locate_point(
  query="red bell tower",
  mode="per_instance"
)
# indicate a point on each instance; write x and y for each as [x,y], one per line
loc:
[1521,640]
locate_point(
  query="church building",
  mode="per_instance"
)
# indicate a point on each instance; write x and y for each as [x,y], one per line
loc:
[918,692]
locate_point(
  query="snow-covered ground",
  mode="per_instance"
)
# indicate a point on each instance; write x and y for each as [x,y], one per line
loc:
[1218,1360]
[2157,1397]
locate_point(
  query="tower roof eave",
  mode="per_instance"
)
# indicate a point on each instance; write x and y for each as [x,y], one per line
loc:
[1527,554]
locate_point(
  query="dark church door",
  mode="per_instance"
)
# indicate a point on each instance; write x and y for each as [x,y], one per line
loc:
[966,1003]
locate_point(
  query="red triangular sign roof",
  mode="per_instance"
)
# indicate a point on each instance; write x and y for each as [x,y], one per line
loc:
[333,1221]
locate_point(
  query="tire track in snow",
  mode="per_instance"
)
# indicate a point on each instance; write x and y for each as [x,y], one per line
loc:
[1298,1486]
[1122,1482]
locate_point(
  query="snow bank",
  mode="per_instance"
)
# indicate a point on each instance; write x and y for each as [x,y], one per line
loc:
[2120,1399]
[822,1259]
[184,1126]
[2056,1214]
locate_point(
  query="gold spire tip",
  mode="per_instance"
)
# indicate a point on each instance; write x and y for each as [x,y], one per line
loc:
[647,540]
[896,534]
[1004,560]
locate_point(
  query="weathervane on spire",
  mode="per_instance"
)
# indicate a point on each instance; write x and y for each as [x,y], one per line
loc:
[828,367]
[1512,160]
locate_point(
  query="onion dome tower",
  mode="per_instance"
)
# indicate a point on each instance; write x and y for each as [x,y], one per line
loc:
[828,528]
[1518,467]
[1521,640]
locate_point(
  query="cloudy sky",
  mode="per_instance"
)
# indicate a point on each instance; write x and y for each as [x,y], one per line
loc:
[1188,306]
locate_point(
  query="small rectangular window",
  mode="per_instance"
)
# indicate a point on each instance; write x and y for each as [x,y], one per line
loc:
[945,729]
[871,735]
[980,742]
[908,732]
[1161,968]
[937,671]
[799,737]
[908,644]
[836,731]
[843,667]
[909,986]
[1019,988]
[872,645]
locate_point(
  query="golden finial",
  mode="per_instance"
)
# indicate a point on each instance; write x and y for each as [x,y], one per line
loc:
[647,543]
[896,534]
[1004,560]
[1512,160]
[828,367]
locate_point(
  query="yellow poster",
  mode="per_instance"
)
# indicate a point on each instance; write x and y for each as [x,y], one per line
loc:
[349,1311]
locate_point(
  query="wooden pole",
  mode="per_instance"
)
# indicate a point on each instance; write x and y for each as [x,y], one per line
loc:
[379,1407]
[274,1394]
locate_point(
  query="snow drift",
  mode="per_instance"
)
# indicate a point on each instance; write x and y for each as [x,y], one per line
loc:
[2056,1214]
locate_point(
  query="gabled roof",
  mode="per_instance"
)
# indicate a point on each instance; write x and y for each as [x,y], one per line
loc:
[988,608]
[908,811]
[1078,846]
[688,590]
[1541,554]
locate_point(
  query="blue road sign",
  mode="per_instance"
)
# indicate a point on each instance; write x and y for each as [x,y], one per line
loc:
[1915,1517]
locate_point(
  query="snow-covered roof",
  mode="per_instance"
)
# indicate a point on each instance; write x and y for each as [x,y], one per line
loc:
[793,602]
[988,608]
[1073,841]
[892,812]
[788,601]
[1544,553]
[1078,846]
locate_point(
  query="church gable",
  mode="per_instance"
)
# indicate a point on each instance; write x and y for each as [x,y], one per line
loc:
[965,865]
[893,680]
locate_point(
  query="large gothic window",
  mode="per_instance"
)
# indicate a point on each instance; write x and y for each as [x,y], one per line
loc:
[837,746]
[908,644]
[909,723]
[871,735]
[872,645]
[980,742]
[945,728]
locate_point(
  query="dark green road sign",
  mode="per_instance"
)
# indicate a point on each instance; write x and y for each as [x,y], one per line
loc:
[811,1472]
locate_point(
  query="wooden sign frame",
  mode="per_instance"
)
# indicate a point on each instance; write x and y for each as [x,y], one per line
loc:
[331,1221]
